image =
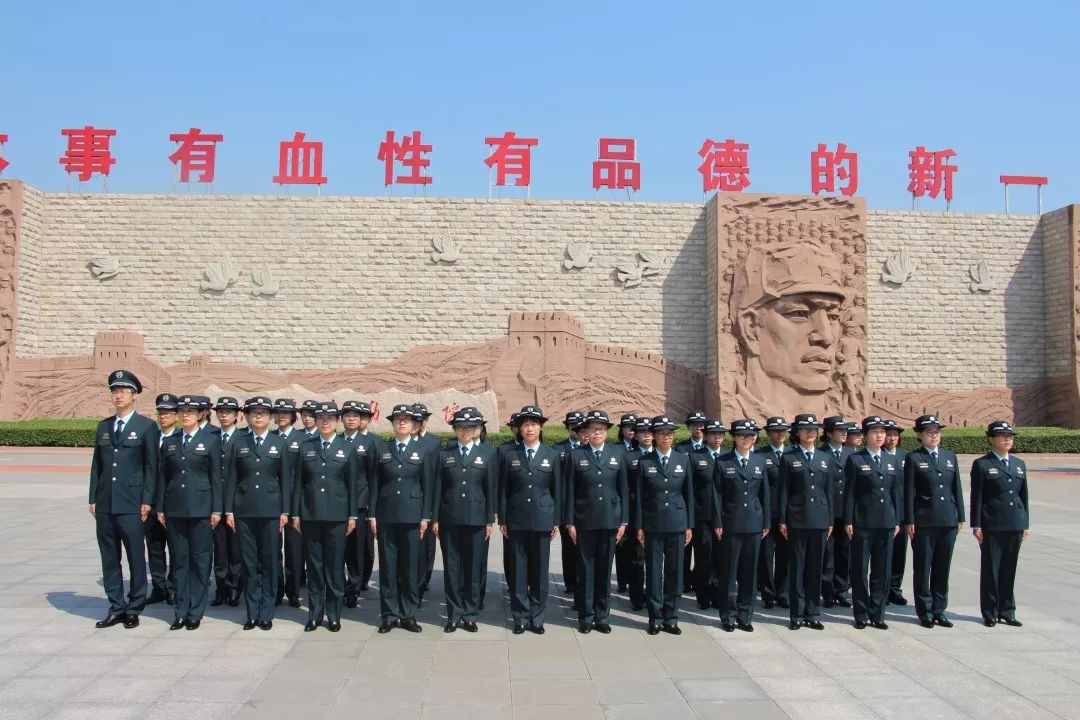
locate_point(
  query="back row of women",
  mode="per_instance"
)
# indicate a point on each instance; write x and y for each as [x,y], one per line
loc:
[641,494]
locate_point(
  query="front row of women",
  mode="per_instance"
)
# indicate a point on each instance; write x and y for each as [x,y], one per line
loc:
[603,494]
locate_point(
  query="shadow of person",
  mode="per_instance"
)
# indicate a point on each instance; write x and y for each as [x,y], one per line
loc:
[72,603]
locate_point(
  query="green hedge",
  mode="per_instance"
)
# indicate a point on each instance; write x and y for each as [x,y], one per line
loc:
[79,432]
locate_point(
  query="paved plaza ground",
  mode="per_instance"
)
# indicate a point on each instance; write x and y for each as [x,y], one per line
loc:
[54,663]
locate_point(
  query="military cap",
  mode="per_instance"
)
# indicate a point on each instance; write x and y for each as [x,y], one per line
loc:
[165,401]
[189,402]
[225,402]
[835,422]
[408,411]
[873,421]
[776,423]
[696,417]
[662,422]
[597,416]
[327,408]
[628,420]
[574,419]
[715,425]
[421,411]
[356,406]
[514,421]
[806,421]
[643,424]
[289,405]
[259,402]
[999,427]
[744,426]
[926,421]
[467,417]
[531,412]
[854,428]
[308,406]
[893,425]
[124,378]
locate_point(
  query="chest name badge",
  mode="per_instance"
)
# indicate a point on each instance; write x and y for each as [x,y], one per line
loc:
[414,456]
[385,456]
[583,463]
[650,470]
[729,471]
[1019,471]
[133,436]
[543,463]
[272,451]
[889,466]
[199,447]
[992,471]
[310,454]
[480,462]
[757,471]
[613,462]
[864,468]
[515,463]
[796,464]
[924,466]
[678,468]
[948,463]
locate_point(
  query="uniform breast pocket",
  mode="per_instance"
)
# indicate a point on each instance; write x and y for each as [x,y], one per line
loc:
[680,504]
[273,488]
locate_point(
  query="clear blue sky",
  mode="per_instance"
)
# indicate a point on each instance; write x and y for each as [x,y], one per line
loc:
[993,80]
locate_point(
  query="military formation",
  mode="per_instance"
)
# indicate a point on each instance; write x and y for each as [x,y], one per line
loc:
[267,508]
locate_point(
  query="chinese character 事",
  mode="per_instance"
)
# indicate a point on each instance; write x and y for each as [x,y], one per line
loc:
[3,163]
[930,172]
[300,162]
[616,166]
[826,167]
[409,153]
[87,151]
[724,165]
[512,156]
[197,153]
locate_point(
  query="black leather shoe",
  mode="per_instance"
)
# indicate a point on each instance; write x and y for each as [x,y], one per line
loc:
[813,624]
[469,626]
[385,626]
[519,629]
[843,602]
[249,625]
[704,604]
[781,602]
[1011,622]
[178,625]
[879,624]
[637,606]
[110,620]
[896,598]
[988,622]
[311,625]
[536,629]
[828,603]
[926,623]
[727,627]
[294,602]
[411,625]
[769,604]
[218,601]
[157,596]
[653,629]
[794,625]
[584,628]
[170,598]
[745,627]
[449,627]
[672,629]
[193,624]
[602,628]
[131,621]
[333,626]
[942,621]
[234,599]
[278,601]
[351,601]
[860,624]
[266,624]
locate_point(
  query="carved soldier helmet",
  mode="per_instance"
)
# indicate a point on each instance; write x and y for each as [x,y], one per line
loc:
[769,273]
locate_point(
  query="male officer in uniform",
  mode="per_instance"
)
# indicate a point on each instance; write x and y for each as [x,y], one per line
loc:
[156,546]
[572,422]
[355,416]
[836,571]
[742,509]
[228,560]
[900,543]
[773,563]
[806,519]
[695,423]
[327,481]
[999,520]
[664,523]
[529,512]
[934,513]
[872,514]
[292,555]
[402,498]
[429,443]
[706,578]
[122,487]
[597,513]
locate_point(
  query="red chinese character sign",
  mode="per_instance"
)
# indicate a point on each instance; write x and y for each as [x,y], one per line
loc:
[511,156]
[724,165]
[300,162]
[3,163]
[616,165]
[87,152]
[409,153]
[827,166]
[930,173]
[197,153]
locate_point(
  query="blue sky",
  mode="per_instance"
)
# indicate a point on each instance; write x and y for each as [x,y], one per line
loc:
[992,80]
